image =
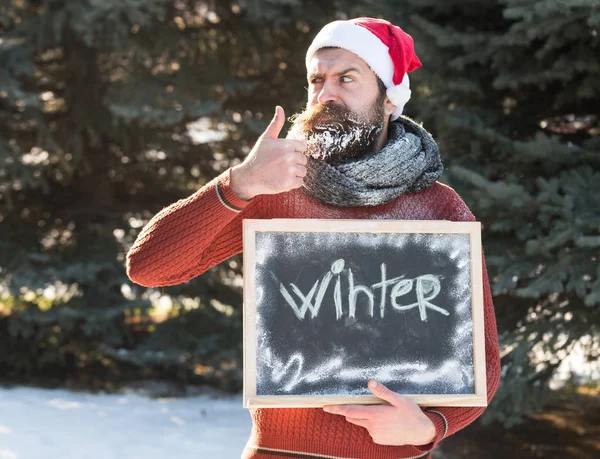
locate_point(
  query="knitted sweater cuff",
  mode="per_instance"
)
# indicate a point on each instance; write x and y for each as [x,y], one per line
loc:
[226,195]
[441,429]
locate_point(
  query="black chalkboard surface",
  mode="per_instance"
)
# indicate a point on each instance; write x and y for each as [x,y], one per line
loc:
[332,303]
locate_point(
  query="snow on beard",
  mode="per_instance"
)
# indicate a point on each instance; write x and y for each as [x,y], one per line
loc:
[335,134]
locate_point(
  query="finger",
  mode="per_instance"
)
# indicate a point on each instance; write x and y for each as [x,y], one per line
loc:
[299,146]
[301,171]
[276,124]
[296,158]
[292,145]
[352,411]
[297,182]
[381,391]
[301,159]
[359,422]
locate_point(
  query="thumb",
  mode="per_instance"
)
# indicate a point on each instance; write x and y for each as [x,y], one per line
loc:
[274,128]
[382,392]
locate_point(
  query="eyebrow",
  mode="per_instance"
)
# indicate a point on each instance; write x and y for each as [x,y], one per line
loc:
[343,72]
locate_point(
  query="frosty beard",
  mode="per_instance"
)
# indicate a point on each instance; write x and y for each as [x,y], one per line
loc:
[335,134]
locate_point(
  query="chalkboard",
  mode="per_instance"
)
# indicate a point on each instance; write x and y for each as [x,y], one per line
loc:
[329,304]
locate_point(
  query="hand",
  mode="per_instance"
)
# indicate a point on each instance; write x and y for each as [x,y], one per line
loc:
[400,423]
[273,166]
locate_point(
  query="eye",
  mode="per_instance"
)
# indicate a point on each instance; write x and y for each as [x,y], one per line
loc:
[346,79]
[316,81]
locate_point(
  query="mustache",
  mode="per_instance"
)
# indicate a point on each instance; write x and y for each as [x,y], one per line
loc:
[329,115]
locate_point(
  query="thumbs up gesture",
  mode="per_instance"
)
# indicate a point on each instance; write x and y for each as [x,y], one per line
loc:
[273,166]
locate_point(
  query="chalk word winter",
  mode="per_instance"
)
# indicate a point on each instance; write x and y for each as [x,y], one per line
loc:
[427,287]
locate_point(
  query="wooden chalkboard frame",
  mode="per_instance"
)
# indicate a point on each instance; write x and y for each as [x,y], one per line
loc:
[251,227]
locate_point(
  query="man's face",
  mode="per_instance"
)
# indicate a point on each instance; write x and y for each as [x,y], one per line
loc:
[346,113]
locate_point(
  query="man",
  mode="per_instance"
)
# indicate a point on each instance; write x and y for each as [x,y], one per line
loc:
[349,155]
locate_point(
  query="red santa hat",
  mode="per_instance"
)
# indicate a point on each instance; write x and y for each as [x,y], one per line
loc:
[386,48]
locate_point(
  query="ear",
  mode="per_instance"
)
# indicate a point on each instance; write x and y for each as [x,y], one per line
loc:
[388,107]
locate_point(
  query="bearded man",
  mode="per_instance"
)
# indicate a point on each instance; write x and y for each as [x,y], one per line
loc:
[350,154]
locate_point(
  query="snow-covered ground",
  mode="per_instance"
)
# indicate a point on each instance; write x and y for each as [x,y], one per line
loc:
[60,424]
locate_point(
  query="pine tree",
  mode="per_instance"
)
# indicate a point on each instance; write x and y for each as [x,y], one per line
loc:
[108,112]
[111,110]
[510,90]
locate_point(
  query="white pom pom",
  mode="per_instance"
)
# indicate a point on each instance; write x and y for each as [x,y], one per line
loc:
[398,95]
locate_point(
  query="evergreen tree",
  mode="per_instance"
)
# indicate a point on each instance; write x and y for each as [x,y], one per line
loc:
[510,90]
[111,110]
[108,112]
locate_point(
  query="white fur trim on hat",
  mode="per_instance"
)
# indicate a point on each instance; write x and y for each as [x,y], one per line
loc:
[357,39]
[367,46]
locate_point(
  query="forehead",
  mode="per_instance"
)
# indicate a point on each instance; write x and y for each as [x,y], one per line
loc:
[335,59]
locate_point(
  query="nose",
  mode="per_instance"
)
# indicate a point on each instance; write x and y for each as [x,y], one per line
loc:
[327,93]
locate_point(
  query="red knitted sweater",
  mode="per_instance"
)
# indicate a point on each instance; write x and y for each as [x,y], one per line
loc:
[196,233]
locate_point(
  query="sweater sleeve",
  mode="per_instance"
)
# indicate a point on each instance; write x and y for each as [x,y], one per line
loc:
[449,420]
[190,236]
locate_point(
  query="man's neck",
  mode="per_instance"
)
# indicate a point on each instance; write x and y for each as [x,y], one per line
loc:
[383,137]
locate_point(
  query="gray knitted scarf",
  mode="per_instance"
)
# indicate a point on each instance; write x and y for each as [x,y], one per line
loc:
[409,162]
